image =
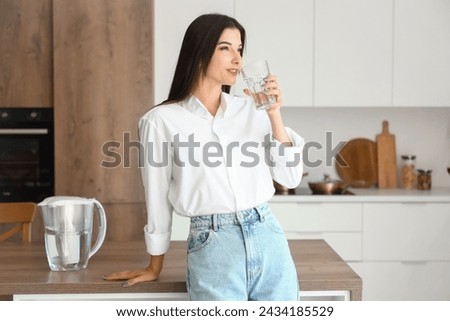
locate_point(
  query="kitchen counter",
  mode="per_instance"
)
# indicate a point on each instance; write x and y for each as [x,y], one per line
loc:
[24,270]
[370,195]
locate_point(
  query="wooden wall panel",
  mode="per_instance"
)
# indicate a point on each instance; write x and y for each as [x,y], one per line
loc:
[26,72]
[103,84]
[125,221]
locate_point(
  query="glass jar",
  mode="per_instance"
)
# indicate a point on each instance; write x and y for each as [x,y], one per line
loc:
[423,179]
[408,171]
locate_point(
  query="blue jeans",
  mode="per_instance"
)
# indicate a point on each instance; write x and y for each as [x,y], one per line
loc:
[240,256]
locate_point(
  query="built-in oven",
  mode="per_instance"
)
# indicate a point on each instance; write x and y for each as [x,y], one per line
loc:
[26,154]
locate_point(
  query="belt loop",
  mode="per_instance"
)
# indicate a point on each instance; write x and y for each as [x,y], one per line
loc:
[215,225]
[260,212]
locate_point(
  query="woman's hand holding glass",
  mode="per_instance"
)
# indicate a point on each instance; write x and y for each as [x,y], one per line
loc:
[271,88]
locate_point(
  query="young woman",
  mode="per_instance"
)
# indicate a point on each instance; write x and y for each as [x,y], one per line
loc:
[211,157]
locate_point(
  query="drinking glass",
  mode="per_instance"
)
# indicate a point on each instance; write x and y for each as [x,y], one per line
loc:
[255,75]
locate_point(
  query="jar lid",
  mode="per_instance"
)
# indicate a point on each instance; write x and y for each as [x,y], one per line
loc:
[407,157]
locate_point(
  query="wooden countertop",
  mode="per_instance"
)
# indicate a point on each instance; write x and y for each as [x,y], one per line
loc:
[24,269]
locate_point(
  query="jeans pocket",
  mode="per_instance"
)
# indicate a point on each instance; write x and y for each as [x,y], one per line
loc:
[198,239]
[272,224]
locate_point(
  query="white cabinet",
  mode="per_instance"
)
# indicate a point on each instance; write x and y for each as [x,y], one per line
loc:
[422,53]
[180,228]
[403,281]
[282,34]
[399,247]
[406,232]
[340,225]
[406,252]
[353,53]
[371,53]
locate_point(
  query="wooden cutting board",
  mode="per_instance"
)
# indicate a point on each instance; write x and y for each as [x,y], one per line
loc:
[356,163]
[387,158]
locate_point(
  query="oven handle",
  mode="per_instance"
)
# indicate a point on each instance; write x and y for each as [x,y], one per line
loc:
[23,131]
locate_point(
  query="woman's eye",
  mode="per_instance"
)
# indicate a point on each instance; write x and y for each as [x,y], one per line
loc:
[223,48]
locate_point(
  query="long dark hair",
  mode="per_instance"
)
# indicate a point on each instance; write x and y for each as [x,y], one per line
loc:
[196,51]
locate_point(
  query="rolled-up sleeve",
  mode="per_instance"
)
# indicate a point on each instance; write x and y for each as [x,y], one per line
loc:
[156,170]
[287,161]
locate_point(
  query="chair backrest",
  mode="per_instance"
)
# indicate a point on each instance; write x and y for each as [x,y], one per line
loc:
[21,213]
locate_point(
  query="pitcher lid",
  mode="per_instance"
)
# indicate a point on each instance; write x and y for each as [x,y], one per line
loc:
[65,200]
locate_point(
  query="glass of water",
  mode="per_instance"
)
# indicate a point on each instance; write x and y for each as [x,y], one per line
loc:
[255,75]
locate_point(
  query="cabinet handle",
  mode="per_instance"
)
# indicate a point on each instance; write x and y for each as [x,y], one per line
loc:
[311,234]
[421,203]
[308,203]
[23,131]
[414,262]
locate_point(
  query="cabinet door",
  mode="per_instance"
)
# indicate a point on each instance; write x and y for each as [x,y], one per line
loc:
[338,224]
[421,53]
[353,53]
[171,19]
[406,232]
[395,281]
[318,217]
[282,34]
[102,71]
[26,78]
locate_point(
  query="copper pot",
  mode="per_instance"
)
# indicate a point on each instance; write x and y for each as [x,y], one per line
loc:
[328,186]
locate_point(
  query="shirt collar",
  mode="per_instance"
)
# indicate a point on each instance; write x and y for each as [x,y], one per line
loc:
[194,105]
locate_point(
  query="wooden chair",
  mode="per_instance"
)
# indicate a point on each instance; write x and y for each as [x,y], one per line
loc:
[21,213]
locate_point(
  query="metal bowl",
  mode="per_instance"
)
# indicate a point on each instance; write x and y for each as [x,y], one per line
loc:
[328,186]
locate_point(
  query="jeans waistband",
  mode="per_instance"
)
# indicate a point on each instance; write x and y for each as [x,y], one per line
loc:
[248,216]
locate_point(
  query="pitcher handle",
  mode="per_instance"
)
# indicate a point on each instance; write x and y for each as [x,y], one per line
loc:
[102,228]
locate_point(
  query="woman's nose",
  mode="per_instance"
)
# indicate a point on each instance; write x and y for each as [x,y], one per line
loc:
[237,59]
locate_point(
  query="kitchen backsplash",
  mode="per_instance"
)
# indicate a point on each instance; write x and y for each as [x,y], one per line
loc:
[424,132]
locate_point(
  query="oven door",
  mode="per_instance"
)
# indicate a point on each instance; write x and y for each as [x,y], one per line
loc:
[26,164]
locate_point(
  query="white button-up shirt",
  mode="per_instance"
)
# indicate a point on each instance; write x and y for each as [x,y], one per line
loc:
[194,163]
